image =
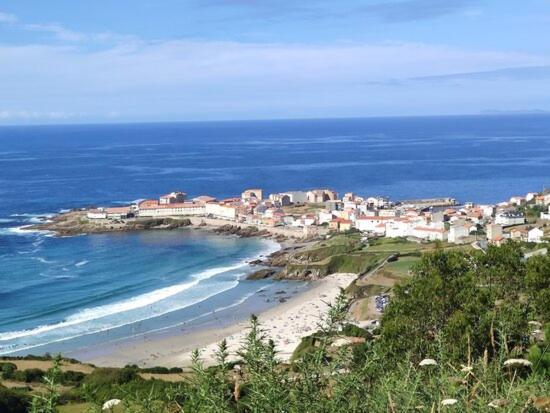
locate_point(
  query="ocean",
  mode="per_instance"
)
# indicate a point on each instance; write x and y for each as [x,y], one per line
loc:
[58,294]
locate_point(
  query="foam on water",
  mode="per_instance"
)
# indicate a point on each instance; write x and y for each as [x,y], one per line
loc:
[133,303]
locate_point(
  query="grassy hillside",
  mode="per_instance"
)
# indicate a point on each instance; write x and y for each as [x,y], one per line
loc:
[466,331]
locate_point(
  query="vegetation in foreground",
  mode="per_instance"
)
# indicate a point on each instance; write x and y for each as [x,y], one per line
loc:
[467,332]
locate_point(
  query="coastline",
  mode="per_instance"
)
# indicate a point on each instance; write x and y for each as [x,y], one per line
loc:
[286,324]
[74,223]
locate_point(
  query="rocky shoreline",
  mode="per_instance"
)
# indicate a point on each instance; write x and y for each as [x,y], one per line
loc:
[277,265]
[75,223]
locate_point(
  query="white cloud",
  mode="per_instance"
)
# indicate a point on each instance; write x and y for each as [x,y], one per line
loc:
[194,79]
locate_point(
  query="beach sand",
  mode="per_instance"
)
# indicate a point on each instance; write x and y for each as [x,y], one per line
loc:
[286,324]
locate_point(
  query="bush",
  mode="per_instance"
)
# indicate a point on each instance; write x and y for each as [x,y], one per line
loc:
[71,377]
[7,370]
[12,401]
[110,376]
[29,375]
[162,370]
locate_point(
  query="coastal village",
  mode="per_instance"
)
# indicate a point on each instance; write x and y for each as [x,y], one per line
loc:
[318,212]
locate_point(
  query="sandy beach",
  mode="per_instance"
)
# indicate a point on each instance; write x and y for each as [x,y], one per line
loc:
[286,324]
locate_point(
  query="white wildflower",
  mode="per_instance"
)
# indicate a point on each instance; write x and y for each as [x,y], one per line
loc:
[466,369]
[449,402]
[428,362]
[109,404]
[517,363]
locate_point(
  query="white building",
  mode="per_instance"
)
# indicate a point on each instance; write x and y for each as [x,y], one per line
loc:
[510,218]
[369,224]
[172,198]
[517,200]
[399,228]
[430,234]
[545,215]
[154,209]
[119,212]
[378,201]
[388,212]
[535,235]
[98,213]
[487,210]
[222,211]
[457,232]
[325,217]
[296,197]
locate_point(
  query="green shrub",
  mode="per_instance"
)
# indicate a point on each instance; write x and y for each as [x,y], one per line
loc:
[12,401]
[71,377]
[7,370]
[108,376]
[29,375]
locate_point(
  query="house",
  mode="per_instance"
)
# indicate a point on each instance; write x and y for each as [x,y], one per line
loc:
[545,215]
[519,234]
[280,199]
[399,228]
[340,224]
[458,232]
[172,198]
[119,212]
[380,229]
[324,217]
[493,231]
[252,194]
[378,201]
[498,241]
[308,220]
[510,218]
[517,200]
[487,210]
[535,235]
[317,196]
[96,213]
[366,223]
[296,197]
[388,212]
[349,197]
[430,233]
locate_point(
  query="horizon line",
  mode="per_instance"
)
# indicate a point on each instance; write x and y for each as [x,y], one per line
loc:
[283,119]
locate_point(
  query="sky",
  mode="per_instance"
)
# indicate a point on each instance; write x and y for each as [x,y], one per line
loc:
[66,61]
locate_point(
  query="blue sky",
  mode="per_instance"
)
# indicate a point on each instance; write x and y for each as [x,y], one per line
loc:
[63,61]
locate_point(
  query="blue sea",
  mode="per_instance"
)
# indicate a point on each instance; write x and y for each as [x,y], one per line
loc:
[58,294]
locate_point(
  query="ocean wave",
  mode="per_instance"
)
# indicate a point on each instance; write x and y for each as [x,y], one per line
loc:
[10,348]
[24,230]
[43,260]
[215,310]
[29,215]
[81,263]
[134,303]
